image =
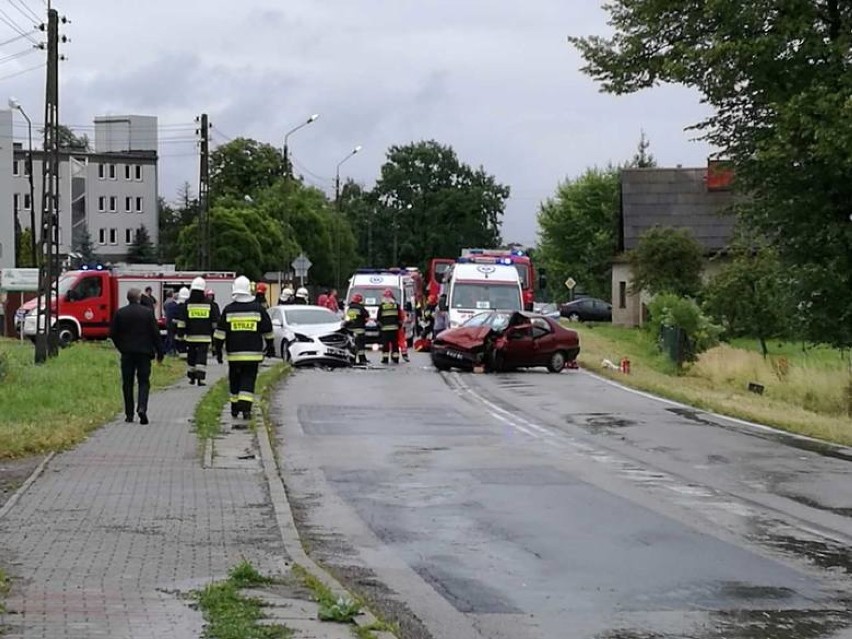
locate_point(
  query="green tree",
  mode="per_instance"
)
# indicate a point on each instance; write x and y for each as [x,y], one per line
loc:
[430,204]
[173,218]
[751,295]
[70,141]
[778,76]
[142,251]
[25,250]
[83,245]
[667,260]
[643,159]
[243,167]
[577,232]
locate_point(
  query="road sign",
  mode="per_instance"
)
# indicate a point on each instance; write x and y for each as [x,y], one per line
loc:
[301,265]
[19,279]
[570,283]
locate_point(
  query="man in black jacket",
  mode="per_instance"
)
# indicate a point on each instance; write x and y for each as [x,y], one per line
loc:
[136,336]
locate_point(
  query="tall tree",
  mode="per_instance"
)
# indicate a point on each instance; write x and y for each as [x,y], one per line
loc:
[577,232]
[430,204]
[778,75]
[243,167]
[174,218]
[142,251]
[751,295]
[667,260]
[84,246]
[643,159]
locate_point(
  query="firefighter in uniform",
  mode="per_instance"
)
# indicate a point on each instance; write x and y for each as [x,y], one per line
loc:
[428,322]
[197,320]
[180,344]
[356,321]
[243,328]
[389,319]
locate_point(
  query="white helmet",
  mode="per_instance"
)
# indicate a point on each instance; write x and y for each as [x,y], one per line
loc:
[241,290]
[302,292]
[183,294]
[286,294]
[198,284]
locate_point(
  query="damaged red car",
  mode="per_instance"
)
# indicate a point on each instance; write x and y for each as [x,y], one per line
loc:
[506,341]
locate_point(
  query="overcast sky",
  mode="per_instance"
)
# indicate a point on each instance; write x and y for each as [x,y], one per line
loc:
[494,79]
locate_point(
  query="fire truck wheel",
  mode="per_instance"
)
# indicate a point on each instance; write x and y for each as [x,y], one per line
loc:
[66,333]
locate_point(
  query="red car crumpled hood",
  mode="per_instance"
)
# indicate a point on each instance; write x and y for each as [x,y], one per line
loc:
[465,338]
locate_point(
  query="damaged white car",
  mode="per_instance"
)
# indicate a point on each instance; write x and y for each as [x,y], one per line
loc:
[311,336]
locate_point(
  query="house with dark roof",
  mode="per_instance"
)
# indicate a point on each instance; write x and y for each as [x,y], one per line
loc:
[698,199]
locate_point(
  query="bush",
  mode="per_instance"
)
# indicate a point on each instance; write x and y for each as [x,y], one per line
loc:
[670,311]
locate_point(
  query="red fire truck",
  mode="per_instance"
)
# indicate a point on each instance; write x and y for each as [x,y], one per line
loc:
[89,297]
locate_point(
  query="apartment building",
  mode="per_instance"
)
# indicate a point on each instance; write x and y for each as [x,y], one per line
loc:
[110,190]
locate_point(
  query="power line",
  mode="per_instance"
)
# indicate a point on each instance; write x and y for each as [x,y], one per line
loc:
[15,56]
[4,17]
[302,167]
[17,73]
[15,39]
[29,14]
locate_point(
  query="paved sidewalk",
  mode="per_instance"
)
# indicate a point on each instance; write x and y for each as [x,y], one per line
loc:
[108,539]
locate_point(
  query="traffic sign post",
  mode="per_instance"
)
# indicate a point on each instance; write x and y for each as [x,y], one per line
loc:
[570,284]
[301,265]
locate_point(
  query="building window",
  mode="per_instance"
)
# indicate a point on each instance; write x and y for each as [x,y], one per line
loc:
[113,205]
[102,204]
[126,171]
[16,202]
[622,295]
[138,168]
[16,167]
[138,204]
[112,171]
[127,204]
[101,236]
[101,171]
[27,202]
[128,236]
[113,236]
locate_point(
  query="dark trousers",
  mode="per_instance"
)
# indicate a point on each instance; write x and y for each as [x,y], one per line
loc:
[136,365]
[196,360]
[360,337]
[241,378]
[390,345]
[169,346]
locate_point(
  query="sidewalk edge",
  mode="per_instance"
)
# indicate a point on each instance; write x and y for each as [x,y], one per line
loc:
[10,503]
[290,534]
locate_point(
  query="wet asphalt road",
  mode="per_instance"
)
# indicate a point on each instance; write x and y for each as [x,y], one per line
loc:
[530,505]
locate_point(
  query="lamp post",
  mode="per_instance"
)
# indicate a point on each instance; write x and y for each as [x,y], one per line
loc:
[288,169]
[16,106]
[337,209]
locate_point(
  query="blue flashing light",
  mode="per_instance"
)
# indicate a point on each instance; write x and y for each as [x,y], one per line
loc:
[518,253]
[507,261]
[92,266]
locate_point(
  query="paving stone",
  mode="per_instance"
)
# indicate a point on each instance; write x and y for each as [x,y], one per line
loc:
[107,542]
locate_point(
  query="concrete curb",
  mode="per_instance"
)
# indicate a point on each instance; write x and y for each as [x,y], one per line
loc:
[290,534]
[10,503]
[753,428]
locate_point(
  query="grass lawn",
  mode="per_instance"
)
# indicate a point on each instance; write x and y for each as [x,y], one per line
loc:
[806,391]
[54,405]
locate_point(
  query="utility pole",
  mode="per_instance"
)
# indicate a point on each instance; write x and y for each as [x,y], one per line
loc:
[47,344]
[203,195]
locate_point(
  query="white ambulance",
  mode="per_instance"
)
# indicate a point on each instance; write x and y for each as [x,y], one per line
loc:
[371,284]
[472,288]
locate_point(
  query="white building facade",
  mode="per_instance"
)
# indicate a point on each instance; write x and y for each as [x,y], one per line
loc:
[110,191]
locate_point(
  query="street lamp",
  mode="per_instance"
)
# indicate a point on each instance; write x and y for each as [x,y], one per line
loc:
[16,106]
[288,169]
[337,208]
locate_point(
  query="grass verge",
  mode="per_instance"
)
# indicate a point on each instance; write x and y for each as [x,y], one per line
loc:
[208,412]
[5,586]
[53,406]
[805,392]
[231,615]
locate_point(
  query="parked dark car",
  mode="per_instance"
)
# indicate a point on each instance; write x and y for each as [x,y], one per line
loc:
[506,341]
[587,309]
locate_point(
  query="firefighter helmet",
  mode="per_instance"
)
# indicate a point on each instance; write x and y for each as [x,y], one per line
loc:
[198,284]
[302,292]
[241,290]
[183,294]
[261,288]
